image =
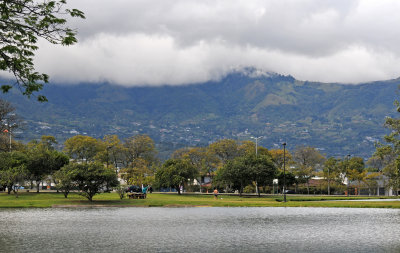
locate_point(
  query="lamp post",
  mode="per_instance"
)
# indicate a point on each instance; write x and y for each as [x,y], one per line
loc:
[347,174]
[256,138]
[256,158]
[284,171]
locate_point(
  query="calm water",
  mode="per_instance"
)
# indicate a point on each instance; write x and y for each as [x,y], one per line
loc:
[200,230]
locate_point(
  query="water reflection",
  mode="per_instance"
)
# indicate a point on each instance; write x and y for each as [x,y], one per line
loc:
[200,230]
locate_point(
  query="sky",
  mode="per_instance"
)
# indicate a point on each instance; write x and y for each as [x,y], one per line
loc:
[175,42]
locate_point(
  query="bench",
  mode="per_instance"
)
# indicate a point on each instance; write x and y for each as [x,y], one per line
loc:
[136,195]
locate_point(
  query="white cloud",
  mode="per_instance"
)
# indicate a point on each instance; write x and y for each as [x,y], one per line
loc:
[154,42]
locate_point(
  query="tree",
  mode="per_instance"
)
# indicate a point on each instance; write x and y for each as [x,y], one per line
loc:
[43,159]
[306,159]
[64,180]
[225,150]
[387,156]
[331,171]
[249,147]
[22,23]
[111,151]
[140,146]
[175,173]
[138,173]
[277,157]
[244,170]
[234,174]
[263,170]
[82,148]
[12,169]
[90,178]
[201,158]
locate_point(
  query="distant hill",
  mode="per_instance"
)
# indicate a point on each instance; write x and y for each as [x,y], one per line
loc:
[338,119]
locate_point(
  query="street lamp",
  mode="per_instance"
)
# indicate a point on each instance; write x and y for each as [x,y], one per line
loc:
[347,174]
[256,138]
[284,171]
[256,157]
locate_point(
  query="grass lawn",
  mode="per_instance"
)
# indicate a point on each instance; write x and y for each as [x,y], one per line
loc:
[51,199]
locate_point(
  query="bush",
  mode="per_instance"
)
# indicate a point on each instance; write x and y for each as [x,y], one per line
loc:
[249,189]
[193,188]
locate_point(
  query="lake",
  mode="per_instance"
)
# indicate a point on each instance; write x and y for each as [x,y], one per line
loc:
[208,229]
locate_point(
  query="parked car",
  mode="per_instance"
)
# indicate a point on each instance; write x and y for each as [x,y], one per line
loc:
[134,188]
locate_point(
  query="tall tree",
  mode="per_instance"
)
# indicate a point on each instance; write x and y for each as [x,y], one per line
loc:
[175,173]
[277,157]
[12,169]
[140,146]
[82,148]
[201,158]
[43,159]
[225,150]
[111,151]
[331,171]
[22,23]
[90,178]
[307,159]
[387,155]
[244,170]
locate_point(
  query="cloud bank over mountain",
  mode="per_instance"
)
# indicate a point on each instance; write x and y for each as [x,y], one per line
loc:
[155,42]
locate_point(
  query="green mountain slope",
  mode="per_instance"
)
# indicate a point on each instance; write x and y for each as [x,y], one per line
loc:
[338,119]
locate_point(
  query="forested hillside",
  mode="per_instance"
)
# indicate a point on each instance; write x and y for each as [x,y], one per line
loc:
[338,119]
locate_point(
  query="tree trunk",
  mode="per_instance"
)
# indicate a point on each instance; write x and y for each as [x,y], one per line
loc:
[9,189]
[257,190]
[66,194]
[329,187]
[37,187]
[200,184]
[308,187]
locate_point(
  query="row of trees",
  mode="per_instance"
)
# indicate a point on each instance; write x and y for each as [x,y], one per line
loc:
[234,165]
[231,165]
[86,163]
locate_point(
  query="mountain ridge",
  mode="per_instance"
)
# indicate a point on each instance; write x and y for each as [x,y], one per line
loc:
[338,119]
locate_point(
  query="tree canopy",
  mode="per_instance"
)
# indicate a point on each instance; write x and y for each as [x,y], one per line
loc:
[22,23]
[175,173]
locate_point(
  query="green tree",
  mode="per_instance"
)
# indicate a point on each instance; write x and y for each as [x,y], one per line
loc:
[175,173]
[331,172]
[277,157]
[235,174]
[64,180]
[140,146]
[82,148]
[225,150]
[43,160]
[290,179]
[12,169]
[90,178]
[201,158]
[307,159]
[138,173]
[111,151]
[22,23]
[244,170]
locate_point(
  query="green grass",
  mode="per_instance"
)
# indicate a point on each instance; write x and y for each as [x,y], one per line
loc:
[26,200]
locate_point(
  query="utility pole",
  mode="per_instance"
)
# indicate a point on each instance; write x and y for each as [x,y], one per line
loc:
[284,171]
